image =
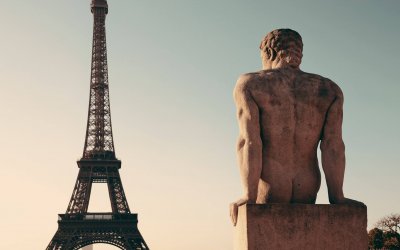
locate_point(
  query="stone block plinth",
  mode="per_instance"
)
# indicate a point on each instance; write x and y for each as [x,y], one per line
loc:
[301,226]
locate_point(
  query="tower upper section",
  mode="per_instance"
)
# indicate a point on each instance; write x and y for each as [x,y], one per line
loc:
[99,142]
[99,4]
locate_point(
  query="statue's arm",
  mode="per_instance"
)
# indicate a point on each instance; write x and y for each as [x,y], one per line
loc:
[249,145]
[333,150]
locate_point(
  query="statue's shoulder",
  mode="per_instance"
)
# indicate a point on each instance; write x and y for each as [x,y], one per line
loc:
[249,80]
[244,82]
[324,82]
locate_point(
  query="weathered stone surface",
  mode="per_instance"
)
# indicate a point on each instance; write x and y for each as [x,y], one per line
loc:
[301,226]
[284,114]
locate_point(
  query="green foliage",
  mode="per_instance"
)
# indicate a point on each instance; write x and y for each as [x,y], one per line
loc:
[386,234]
[375,238]
[391,240]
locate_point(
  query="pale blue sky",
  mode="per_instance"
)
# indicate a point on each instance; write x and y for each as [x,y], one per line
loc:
[172,66]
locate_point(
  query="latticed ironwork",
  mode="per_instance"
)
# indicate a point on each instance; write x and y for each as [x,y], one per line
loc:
[98,171]
[77,231]
[78,228]
[99,139]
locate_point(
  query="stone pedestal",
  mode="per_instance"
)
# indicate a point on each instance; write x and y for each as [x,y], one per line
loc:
[301,226]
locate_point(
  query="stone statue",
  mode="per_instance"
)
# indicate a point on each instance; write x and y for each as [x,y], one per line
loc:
[283,114]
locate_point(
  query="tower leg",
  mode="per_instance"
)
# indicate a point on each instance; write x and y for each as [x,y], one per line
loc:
[118,200]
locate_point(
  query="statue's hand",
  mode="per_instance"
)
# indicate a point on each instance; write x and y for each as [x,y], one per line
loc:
[234,207]
[347,201]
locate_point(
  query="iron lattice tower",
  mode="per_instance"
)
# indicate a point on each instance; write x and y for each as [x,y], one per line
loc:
[78,228]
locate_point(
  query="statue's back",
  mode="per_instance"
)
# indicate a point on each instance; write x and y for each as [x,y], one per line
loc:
[292,110]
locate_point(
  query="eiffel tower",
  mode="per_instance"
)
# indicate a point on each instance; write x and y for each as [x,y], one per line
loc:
[78,228]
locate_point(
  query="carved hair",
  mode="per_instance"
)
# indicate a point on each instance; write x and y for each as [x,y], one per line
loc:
[286,43]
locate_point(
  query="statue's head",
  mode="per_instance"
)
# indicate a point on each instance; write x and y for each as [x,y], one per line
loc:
[281,48]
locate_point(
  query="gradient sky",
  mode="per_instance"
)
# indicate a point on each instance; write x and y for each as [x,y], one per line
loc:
[173,66]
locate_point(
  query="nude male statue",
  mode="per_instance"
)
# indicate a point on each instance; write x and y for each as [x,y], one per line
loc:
[283,114]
